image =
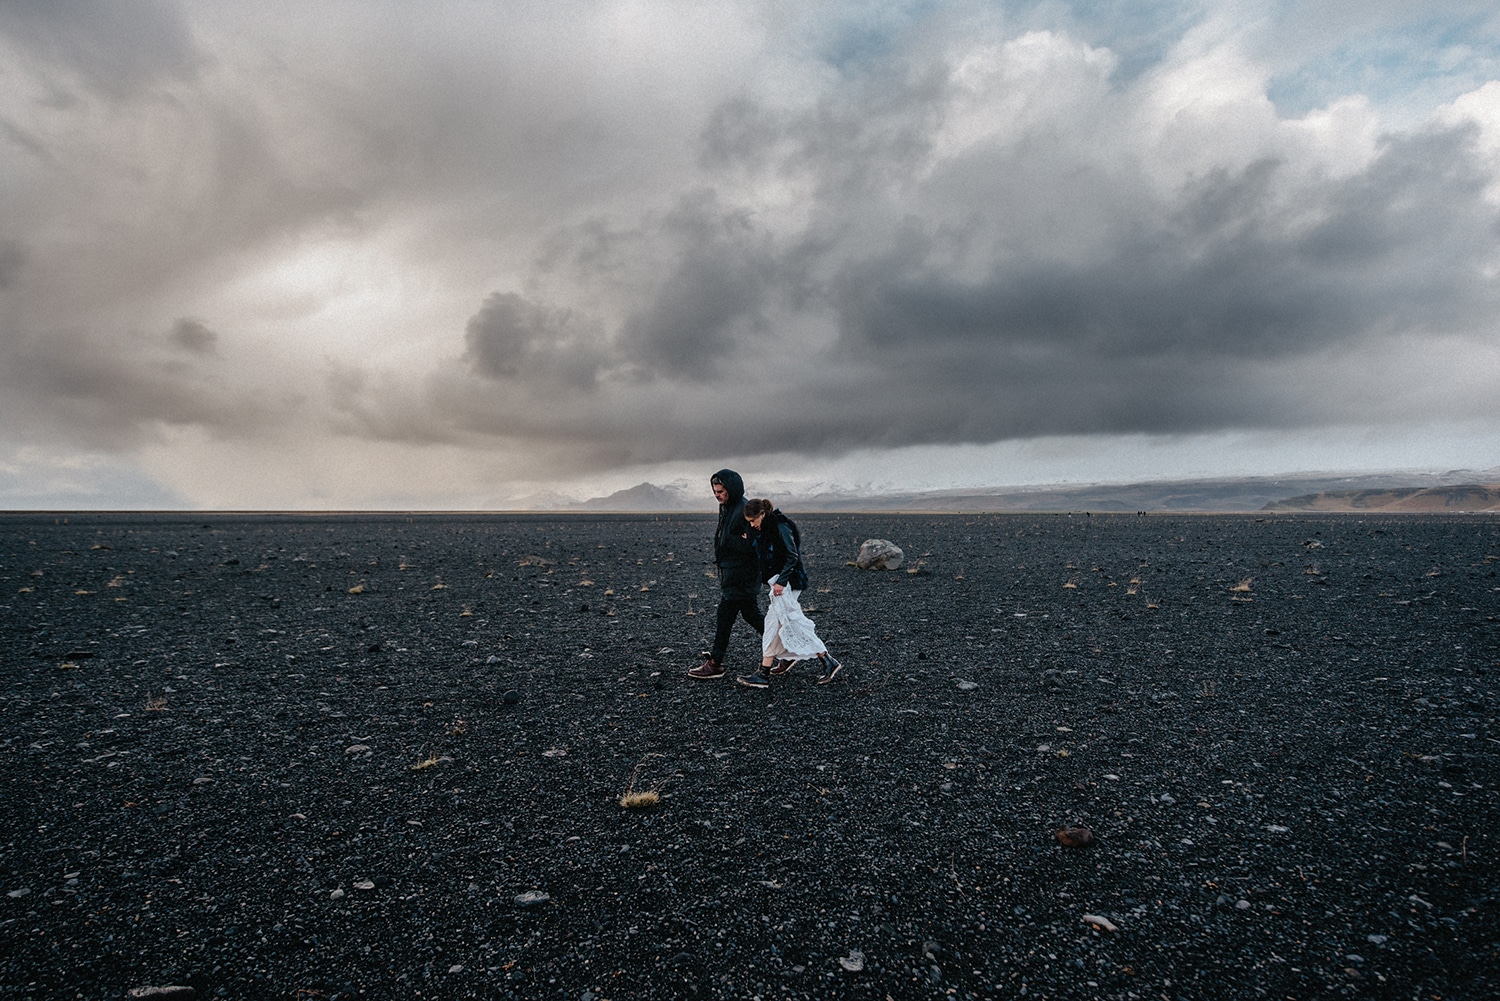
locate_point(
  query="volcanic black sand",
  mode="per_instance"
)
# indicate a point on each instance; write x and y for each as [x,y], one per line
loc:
[382,757]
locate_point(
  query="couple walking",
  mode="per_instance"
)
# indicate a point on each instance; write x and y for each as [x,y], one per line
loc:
[755,545]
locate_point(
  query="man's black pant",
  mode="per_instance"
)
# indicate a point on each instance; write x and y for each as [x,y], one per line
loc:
[731,608]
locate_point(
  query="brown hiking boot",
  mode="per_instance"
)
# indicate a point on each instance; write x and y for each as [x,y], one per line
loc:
[781,667]
[708,670]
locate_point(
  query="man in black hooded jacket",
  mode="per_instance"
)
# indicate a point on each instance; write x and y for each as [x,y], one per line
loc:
[739,572]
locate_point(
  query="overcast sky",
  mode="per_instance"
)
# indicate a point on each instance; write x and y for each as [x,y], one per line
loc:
[453,255]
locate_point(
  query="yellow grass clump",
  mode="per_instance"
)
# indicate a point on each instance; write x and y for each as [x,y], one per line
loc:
[644,799]
[640,800]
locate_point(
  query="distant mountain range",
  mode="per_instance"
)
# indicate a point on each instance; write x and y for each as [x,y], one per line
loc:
[1464,497]
[1456,490]
[646,497]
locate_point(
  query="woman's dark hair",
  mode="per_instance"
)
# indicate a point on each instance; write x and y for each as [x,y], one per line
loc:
[757,506]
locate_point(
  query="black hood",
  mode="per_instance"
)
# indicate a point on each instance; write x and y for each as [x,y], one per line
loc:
[732,482]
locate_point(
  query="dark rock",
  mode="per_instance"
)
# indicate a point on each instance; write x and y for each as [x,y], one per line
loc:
[1075,837]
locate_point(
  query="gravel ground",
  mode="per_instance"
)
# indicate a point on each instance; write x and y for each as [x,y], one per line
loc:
[379,756]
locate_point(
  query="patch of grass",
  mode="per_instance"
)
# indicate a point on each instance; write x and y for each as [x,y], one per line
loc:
[640,799]
[643,800]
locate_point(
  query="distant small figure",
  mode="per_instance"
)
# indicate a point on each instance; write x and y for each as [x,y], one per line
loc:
[735,556]
[789,634]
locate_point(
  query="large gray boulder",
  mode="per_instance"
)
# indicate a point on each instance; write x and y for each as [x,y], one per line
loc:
[879,554]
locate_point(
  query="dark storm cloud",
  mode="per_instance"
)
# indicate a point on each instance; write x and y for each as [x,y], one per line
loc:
[1199,312]
[124,391]
[115,47]
[1225,274]
[191,335]
[1186,324]
[12,260]
[711,299]
[703,277]
[514,337]
[623,232]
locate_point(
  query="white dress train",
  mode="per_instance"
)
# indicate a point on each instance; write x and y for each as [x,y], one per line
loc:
[789,634]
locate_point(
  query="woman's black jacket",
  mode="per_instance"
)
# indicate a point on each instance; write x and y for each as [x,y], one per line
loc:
[780,560]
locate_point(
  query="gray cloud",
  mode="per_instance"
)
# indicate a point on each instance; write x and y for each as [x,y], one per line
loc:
[193,336]
[113,47]
[121,392]
[514,337]
[1194,312]
[1225,273]
[12,260]
[708,308]
[609,234]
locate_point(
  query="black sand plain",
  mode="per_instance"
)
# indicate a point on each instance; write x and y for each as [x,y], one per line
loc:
[273,757]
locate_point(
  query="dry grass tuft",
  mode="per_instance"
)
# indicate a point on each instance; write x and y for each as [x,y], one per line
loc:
[426,763]
[644,799]
[640,800]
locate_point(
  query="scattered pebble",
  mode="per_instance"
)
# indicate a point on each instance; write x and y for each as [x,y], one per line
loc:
[1100,922]
[1075,837]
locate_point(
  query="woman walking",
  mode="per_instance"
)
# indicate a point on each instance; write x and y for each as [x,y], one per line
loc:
[789,634]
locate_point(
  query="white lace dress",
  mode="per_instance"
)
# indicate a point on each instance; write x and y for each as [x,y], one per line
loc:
[789,634]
